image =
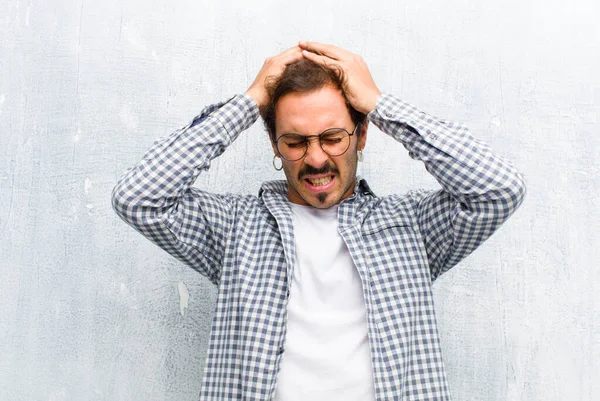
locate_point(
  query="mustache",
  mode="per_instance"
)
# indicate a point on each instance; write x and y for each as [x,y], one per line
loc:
[308,170]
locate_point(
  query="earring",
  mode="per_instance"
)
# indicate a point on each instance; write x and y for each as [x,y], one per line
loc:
[274,165]
[360,155]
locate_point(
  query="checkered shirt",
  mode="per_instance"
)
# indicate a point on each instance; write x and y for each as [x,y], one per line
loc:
[245,244]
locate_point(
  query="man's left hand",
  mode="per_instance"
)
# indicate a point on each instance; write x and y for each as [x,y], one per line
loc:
[359,87]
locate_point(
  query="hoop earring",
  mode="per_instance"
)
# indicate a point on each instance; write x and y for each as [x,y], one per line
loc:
[360,155]
[275,166]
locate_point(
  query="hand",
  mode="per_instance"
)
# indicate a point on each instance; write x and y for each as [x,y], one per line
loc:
[271,69]
[359,88]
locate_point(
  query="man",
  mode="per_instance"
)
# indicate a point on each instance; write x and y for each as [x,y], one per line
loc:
[324,289]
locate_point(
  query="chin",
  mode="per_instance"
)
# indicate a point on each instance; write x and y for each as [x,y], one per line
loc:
[320,200]
[323,201]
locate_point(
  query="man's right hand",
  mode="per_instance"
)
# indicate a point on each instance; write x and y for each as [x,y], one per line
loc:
[272,69]
[359,87]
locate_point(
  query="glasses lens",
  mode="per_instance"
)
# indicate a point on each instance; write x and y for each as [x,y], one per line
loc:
[292,146]
[335,141]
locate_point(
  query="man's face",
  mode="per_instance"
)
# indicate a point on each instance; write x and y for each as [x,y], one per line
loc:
[318,179]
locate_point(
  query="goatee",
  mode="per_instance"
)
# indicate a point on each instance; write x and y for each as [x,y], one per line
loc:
[322,197]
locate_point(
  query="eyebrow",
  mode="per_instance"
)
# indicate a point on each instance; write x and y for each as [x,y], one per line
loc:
[326,129]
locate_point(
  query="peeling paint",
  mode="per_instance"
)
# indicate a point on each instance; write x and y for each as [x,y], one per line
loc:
[77,135]
[184,297]
[90,208]
[87,185]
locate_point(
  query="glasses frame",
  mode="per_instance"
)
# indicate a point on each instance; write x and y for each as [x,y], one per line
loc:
[307,138]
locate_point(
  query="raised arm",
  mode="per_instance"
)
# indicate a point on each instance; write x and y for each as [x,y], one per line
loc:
[479,190]
[156,196]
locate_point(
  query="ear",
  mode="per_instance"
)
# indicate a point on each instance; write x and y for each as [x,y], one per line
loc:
[362,139]
[273,145]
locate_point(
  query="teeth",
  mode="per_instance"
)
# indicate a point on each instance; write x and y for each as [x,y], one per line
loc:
[317,182]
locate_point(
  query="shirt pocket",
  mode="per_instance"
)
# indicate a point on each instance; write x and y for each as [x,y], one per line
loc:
[386,220]
[395,256]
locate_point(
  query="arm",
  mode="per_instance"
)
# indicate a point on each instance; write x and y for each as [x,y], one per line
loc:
[479,190]
[156,198]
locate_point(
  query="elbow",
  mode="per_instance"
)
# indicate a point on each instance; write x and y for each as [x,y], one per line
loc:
[127,205]
[519,189]
[136,207]
[514,192]
[121,202]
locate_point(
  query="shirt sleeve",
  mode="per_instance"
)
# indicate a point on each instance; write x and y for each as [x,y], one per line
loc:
[156,198]
[479,189]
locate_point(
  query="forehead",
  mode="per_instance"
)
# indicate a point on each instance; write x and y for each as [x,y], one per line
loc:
[312,112]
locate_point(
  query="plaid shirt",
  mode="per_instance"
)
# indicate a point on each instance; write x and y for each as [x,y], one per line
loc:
[245,245]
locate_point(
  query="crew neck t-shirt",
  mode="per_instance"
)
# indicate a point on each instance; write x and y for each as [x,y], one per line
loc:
[327,355]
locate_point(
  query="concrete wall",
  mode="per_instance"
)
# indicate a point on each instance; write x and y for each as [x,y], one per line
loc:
[90,310]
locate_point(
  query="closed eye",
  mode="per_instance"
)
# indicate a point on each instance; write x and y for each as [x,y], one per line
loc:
[331,141]
[295,142]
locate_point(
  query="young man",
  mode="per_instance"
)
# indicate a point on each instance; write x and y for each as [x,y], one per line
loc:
[324,289]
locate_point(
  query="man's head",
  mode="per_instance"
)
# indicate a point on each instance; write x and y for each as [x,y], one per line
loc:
[307,99]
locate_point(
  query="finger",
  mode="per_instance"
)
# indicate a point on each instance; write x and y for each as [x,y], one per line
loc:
[293,53]
[291,50]
[318,59]
[289,58]
[330,51]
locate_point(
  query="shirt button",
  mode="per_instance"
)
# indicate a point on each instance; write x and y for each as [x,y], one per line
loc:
[287,294]
[280,350]
[387,113]
[433,136]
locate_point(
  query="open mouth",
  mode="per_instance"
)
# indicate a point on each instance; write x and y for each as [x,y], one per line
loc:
[319,182]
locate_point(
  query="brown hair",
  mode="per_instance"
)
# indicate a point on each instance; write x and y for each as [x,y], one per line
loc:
[301,77]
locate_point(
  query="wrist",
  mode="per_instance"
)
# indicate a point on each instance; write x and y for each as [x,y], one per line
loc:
[369,103]
[374,98]
[258,97]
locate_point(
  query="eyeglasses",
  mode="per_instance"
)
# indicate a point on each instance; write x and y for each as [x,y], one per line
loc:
[333,141]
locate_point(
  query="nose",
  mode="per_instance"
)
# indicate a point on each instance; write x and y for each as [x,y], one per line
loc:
[315,156]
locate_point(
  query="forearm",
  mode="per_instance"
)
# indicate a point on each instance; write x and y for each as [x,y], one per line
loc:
[169,168]
[464,166]
[155,196]
[479,190]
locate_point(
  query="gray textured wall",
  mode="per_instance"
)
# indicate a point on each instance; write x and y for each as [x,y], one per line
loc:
[90,310]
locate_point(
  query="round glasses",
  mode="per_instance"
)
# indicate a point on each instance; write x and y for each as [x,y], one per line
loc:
[333,141]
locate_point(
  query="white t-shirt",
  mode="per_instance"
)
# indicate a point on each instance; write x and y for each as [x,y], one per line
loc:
[327,355]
